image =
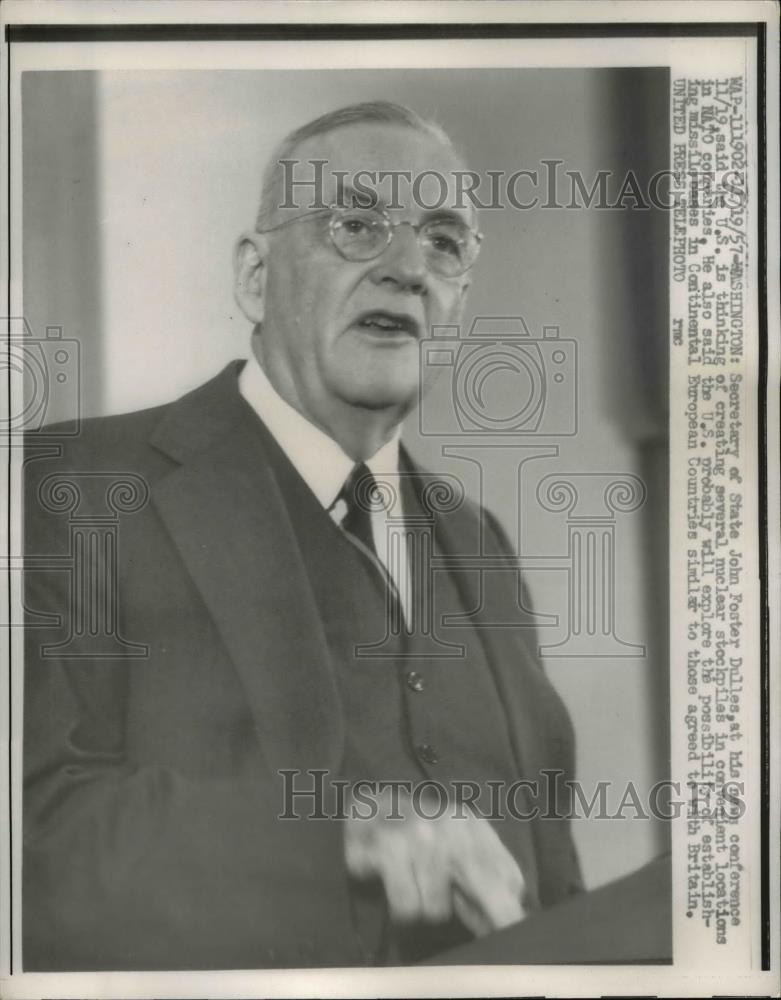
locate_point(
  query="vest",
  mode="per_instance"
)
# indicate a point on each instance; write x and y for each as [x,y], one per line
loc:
[421,710]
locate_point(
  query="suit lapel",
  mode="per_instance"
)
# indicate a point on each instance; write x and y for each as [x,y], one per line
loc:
[224,511]
[226,516]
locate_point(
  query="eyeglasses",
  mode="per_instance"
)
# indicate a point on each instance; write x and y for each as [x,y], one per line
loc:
[449,246]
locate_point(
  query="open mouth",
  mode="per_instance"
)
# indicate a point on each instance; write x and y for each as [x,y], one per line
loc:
[389,324]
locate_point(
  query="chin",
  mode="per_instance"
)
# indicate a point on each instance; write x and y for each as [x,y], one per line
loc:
[382,394]
[380,386]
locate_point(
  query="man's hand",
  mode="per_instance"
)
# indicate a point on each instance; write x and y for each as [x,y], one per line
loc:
[432,869]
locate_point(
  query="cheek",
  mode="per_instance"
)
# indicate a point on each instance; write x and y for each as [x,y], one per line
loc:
[446,305]
[331,297]
[321,283]
[298,270]
[303,297]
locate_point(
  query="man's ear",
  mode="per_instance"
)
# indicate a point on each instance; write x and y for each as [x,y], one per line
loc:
[249,267]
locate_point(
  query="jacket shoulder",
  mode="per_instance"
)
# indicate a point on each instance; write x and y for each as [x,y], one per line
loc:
[96,435]
[130,437]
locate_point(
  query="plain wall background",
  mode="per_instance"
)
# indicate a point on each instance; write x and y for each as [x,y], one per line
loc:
[137,184]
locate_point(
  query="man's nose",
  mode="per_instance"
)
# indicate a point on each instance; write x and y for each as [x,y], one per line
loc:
[402,262]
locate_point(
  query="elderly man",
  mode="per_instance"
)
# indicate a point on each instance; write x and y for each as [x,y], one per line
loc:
[161,827]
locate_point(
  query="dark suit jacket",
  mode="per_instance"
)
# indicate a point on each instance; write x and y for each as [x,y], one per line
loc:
[151,794]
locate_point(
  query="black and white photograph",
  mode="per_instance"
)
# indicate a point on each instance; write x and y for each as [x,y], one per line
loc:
[387,555]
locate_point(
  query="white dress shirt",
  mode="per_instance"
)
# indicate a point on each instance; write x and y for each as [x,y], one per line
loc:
[324,467]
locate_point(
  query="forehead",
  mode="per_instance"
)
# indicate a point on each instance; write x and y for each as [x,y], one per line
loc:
[381,148]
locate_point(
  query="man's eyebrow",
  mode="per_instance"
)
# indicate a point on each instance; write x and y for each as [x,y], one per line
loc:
[446,214]
[347,195]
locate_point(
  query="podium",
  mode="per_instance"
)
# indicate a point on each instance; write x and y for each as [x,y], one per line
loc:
[625,922]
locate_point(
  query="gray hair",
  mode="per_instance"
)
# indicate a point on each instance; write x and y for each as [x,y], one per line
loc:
[354,114]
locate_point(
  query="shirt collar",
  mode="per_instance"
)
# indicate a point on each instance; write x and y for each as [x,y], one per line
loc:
[319,460]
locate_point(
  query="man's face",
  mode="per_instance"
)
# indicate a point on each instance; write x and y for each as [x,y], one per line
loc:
[338,331]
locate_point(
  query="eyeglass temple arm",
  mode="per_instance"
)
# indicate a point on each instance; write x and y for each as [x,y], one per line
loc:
[296,218]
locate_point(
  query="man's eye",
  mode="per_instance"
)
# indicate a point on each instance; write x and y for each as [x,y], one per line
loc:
[356,227]
[443,243]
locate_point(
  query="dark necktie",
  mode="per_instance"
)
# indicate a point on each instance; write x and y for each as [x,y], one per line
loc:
[361,496]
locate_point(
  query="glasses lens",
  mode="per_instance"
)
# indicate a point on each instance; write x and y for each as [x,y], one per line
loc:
[449,246]
[359,233]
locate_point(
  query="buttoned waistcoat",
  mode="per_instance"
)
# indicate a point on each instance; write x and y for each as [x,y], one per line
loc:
[152,837]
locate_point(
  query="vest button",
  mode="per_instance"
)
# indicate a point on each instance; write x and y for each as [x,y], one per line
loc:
[415,681]
[428,753]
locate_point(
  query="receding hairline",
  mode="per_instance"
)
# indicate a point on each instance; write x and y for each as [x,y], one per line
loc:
[366,113]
